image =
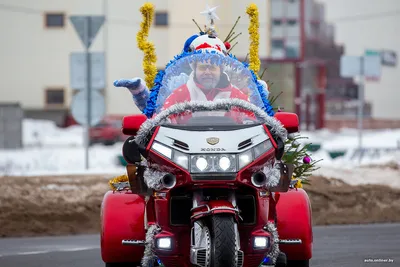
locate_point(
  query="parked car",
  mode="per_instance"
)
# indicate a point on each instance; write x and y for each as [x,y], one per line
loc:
[107,132]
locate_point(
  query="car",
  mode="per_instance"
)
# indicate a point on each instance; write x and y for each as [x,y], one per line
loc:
[107,132]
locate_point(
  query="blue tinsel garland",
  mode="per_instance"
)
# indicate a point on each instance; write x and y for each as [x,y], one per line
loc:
[189,58]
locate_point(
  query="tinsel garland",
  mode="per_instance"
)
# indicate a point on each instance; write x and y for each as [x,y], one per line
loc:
[172,69]
[150,58]
[115,182]
[254,61]
[296,182]
[220,104]
[274,252]
[272,171]
[152,177]
[149,254]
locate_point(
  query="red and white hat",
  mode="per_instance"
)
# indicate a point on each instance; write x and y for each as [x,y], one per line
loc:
[209,43]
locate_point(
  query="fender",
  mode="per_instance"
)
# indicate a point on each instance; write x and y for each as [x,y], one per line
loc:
[213,207]
[122,217]
[295,222]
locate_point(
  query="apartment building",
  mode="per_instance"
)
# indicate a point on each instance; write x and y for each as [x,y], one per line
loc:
[38,38]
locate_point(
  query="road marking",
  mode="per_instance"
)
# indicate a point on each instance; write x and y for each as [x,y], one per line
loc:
[48,251]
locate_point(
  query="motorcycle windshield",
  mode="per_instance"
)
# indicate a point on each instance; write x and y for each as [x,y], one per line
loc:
[206,79]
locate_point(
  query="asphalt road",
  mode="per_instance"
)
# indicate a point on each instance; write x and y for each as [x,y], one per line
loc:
[344,246]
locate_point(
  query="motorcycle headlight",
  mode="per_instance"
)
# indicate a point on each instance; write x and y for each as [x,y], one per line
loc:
[225,163]
[181,159]
[176,156]
[213,163]
[163,150]
[246,157]
[201,163]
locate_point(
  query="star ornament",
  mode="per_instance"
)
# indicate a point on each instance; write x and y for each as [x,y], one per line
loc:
[210,14]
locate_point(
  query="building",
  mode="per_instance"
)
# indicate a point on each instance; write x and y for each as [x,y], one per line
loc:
[304,64]
[372,25]
[38,38]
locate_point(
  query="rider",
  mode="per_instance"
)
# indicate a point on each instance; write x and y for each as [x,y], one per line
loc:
[207,81]
[204,83]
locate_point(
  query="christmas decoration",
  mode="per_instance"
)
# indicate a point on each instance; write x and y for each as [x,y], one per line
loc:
[252,11]
[150,58]
[206,42]
[297,154]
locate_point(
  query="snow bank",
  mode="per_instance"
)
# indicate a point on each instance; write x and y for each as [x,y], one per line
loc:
[50,150]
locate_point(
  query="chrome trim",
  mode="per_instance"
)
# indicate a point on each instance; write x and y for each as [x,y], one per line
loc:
[132,242]
[290,241]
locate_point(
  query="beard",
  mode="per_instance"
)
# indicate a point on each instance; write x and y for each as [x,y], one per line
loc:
[208,81]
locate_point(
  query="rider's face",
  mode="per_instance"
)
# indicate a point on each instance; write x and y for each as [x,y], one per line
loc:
[208,75]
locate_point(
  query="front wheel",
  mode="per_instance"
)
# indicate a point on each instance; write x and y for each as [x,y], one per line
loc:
[223,240]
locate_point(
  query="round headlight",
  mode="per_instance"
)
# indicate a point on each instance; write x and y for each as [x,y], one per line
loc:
[201,164]
[224,163]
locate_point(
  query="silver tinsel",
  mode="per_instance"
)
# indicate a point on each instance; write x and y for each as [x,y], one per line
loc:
[274,253]
[153,174]
[273,174]
[220,104]
[149,254]
[152,178]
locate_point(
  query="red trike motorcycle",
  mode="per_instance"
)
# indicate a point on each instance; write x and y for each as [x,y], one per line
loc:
[207,187]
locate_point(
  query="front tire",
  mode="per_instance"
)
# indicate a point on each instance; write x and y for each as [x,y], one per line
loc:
[223,240]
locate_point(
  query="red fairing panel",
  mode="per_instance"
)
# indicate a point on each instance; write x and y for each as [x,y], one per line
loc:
[122,217]
[294,222]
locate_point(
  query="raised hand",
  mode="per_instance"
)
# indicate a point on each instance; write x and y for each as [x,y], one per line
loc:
[131,84]
[138,89]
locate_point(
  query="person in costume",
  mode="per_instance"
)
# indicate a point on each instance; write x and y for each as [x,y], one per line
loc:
[207,81]
[202,84]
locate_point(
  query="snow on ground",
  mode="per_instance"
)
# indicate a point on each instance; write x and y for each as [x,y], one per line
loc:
[50,150]
[348,139]
[43,133]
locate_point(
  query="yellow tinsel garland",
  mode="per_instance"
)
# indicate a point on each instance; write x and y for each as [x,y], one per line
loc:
[150,58]
[254,61]
[298,183]
[116,180]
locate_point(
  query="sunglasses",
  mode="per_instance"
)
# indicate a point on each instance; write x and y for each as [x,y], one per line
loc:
[205,67]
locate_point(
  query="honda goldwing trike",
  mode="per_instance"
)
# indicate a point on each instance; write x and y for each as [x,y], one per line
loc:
[207,187]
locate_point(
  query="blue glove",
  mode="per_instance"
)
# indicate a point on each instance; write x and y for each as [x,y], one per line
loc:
[132,84]
[138,89]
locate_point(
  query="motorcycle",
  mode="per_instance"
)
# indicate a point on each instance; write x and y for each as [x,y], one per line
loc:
[206,184]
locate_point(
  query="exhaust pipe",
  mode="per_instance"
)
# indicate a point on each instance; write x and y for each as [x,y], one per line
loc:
[258,179]
[168,181]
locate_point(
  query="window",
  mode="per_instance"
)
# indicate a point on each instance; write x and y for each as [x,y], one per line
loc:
[277,22]
[54,20]
[55,96]
[277,44]
[161,19]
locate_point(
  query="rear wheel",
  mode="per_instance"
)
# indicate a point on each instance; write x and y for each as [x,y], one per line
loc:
[305,263]
[223,240]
